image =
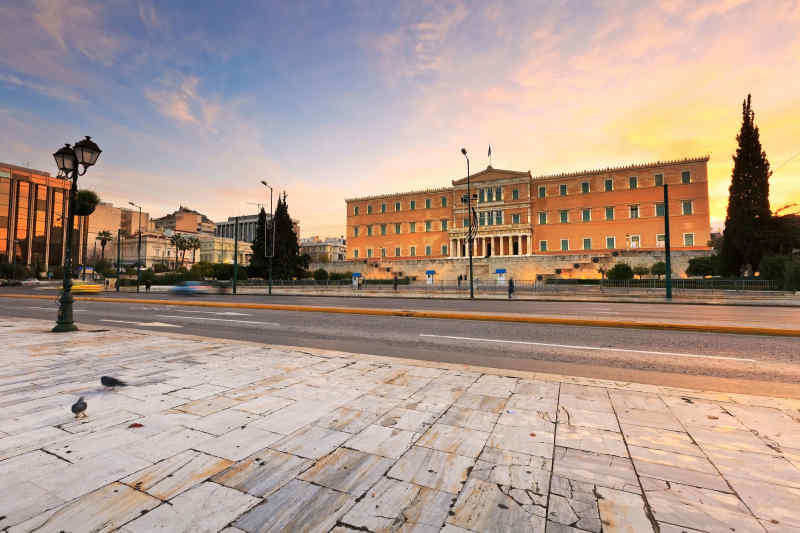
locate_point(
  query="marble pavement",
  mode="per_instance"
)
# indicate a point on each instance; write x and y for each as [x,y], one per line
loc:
[217,435]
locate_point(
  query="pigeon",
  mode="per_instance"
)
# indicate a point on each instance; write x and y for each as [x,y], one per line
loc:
[79,407]
[108,381]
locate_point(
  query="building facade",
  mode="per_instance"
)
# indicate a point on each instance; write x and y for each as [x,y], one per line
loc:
[248,225]
[215,249]
[33,212]
[324,250]
[184,220]
[518,214]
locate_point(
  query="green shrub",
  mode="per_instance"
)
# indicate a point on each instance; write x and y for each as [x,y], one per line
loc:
[338,276]
[773,267]
[701,266]
[791,281]
[658,269]
[160,268]
[620,272]
[641,270]
[320,274]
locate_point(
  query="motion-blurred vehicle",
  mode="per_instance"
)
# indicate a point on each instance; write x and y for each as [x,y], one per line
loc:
[83,286]
[192,287]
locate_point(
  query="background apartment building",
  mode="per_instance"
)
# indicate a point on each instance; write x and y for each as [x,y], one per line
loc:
[517,214]
[324,250]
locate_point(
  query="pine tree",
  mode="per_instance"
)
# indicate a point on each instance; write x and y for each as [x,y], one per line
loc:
[287,264]
[259,263]
[749,217]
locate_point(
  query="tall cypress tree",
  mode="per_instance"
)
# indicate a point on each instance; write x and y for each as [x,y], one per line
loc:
[748,221]
[260,261]
[287,263]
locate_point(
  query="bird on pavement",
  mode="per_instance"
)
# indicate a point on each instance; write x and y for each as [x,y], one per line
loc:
[108,381]
[79,408]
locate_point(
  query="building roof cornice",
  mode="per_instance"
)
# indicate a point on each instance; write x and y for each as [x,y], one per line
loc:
[391,195]
[634,166]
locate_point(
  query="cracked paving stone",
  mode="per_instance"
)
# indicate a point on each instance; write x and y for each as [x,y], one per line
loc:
[529,472]
[348,471]
[482,506]
[602,470]
[172,476]
[262,473]
[391,505]
[581,514]
[433,469]
[311,442]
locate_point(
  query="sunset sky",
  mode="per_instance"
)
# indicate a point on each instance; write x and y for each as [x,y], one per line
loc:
[195,102]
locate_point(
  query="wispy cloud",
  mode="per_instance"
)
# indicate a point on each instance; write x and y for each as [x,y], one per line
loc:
[47,90]
[177,97]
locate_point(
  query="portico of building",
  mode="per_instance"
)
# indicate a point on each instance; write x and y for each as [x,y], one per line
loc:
[503,242]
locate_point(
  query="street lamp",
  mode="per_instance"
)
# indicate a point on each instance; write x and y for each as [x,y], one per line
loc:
[272,225]
[472,228]
[84,153]
[138,249]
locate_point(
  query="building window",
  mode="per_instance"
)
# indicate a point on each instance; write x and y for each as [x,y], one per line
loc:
[444,249]
[427,203]
[542,246]
[383,252]
[427,251]
[444,201]
[587,243]
[660,240]
[369,209]
[498,194]
[564,245]
[482,196]
[465,223]
[397,228]
[562,189]
[586,214]
[355,211]
[413,251]
[369,252]
[515,194]
[634,211]
[444,225]
[383,208]
[412,227]
[383,229]
[397,206]
[369,231]
[482,218]
[490,195]
[659,180]
[397,252]
[609,213]
[412,205]
[686,177]
[688,239]
[660,209]
[515,218]
[428,225]
[686,207]
[633,182]
[355,231]
[611,242]
[563,216]
[608,185]
[636,241]
[355,254]
[542,191]
[585,187]
[498,218]
[542,218]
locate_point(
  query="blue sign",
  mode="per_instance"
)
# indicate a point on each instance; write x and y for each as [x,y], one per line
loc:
[356,274]
[500,271]
[430,272]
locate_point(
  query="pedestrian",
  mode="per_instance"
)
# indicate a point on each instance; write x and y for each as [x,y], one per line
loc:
[395,283]
[147,284]
[510,288]
[459,281]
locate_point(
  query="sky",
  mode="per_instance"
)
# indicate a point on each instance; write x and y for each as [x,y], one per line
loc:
[195,102]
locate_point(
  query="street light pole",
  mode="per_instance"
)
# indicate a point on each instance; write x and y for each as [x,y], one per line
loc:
[68,159]
[119,244]
[470,230]
[272,225]
[668,272]
[138,250]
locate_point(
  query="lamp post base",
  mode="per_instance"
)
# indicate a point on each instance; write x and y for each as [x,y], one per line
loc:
[65,326]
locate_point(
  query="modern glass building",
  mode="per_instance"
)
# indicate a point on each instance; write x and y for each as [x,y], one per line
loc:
[33,212]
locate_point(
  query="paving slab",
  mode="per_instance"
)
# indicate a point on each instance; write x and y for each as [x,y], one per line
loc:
[348,471]
[591,440]
[452,439]
[469,418]
[238,443]
[263,473]
[482,506]
[380,440]
[433,469]
[170,477]
[311,442]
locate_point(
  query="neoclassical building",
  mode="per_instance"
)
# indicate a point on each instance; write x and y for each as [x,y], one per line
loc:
[620,208]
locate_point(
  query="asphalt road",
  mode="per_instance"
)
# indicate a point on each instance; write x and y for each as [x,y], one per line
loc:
[742,363]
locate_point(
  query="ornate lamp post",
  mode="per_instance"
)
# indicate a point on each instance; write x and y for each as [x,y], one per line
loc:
[138,249]
[68,159]
[272,224]
[473,227]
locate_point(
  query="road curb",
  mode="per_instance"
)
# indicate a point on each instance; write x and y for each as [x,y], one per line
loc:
[445,315]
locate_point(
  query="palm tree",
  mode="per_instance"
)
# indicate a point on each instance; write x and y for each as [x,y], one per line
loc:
[103,236]
[177,240]
[193,244]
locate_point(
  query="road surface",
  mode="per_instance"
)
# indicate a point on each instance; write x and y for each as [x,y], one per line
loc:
[744,363]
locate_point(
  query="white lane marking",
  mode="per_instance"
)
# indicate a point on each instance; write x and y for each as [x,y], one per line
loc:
[221,313]
[152,324]
[220,320]
[594,348]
